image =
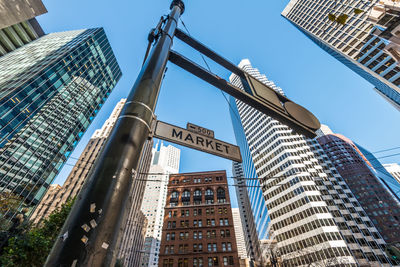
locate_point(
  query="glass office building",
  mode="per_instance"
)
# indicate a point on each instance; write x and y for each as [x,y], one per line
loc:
[50,91]
[380,171]
[353,42]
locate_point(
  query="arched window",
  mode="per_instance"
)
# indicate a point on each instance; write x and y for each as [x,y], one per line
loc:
[175,194]
[209,196]
[209,192]
[221,195]
[186,194]
[186,197]
[174,199]
[197,196]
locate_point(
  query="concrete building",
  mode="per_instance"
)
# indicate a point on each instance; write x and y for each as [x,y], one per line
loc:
[377,201]
[385,15]
[394,170]
[252,245]
[165,161]
[237,223]
[198,225]
[345,30]
[314,216]
[133,232]
[18,25]
[133,229]
[51,90]
[130,253]
[55,198]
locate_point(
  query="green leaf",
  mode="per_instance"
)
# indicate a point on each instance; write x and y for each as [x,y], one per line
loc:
[31,246]
[342,19]
[358,11]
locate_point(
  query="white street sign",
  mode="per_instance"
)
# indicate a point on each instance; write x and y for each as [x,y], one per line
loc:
[200,142]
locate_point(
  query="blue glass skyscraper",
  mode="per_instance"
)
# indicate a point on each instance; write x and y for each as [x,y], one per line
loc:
[50,91]
[379,170]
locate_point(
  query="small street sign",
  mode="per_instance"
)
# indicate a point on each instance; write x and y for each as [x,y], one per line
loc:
[197,141]
[200,130]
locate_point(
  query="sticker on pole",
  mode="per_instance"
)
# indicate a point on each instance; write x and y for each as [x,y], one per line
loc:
[197,141]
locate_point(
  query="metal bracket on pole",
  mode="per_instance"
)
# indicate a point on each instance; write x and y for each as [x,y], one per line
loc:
[266,107]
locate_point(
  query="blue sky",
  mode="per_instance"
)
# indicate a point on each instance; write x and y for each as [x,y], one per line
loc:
[236,29]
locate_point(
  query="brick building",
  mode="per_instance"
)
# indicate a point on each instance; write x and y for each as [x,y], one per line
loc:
[198,224]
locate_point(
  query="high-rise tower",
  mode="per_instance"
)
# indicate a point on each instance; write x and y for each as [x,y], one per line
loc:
[252,243]
[50,91]
[394,170]
[345,31]
[379,203]
[55,198]
[165,162]
[314,217]
[18,25]
[131,238]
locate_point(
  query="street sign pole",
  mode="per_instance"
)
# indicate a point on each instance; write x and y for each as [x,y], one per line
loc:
[90,234]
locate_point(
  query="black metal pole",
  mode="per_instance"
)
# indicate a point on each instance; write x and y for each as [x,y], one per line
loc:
[90,234]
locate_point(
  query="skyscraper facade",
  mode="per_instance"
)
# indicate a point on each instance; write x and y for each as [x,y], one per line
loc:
[377,201]
[240,243]
[314,216]
[133,231]
[344,30]
[133,228]
[252,245]
[394,170]
[51,90]
[165,161]
[380,171]
[198,224]
[54,199]
[18,25]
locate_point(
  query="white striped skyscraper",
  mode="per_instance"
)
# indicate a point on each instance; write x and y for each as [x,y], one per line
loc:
[351,40]
[314,217]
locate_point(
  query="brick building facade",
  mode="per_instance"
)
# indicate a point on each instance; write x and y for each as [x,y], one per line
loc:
[198,224]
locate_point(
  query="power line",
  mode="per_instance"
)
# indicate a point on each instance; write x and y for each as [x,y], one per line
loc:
[384,150]
[209,69]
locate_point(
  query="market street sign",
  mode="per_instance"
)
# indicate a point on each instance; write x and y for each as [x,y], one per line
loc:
[197,141]
[200,130]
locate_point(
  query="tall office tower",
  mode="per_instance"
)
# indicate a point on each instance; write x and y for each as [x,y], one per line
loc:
[315,218]
[352,42]
[386,178]
[375,198]
[18,25]
[198,224]
[51,89]
[54,199]
[394,170]
[165,162]
[240,243]
[252,244]
[133,232]
[385,15]
[132,246]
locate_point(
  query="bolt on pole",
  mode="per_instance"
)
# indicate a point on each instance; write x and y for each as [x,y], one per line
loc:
[90,234]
